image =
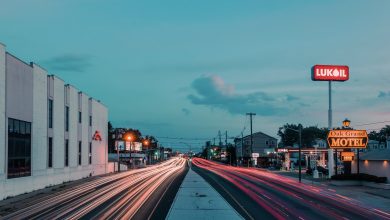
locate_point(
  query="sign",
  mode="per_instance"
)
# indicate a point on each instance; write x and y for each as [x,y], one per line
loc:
[347,139]
[282,150]
[329,73]
[136,146]
[97,136]
[120,144]
[255,155]
[347,156]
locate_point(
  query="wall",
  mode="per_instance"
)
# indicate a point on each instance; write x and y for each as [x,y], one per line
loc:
[39,125]
[99,148]
[58,125]
[373,167]
[19,89]
[2,116]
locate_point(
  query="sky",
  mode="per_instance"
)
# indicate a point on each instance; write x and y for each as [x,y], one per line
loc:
[183,70]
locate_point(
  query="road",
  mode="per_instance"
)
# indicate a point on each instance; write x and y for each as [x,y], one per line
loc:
[119,196]
[258,194]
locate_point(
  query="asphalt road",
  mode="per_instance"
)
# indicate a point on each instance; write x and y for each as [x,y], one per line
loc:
[258,194]
[135,194]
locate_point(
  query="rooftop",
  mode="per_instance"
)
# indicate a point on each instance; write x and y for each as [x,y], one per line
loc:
[376,155]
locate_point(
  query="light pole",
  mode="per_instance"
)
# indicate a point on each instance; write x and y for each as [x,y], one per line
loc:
[348,169]
[299,150]
[128,137]
[146,143]
[116,136]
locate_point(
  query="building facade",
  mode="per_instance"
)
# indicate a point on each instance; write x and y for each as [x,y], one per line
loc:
[50,132]
[262,143]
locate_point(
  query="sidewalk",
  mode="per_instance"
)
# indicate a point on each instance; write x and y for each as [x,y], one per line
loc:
[196,199]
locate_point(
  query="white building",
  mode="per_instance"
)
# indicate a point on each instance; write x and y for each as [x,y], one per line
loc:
[50,132]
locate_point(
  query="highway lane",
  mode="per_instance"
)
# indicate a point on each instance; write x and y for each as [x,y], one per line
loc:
[260,194]
[118,196]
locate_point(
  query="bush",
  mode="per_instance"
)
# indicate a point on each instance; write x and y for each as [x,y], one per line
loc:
[360,177]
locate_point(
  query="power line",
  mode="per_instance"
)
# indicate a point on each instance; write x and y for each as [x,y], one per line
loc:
[182,138]
[373,123]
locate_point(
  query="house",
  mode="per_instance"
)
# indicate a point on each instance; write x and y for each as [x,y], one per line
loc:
[262,145]
[374,162]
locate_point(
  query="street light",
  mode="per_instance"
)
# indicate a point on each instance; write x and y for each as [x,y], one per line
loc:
[128,137]
[299,149]
[146,143]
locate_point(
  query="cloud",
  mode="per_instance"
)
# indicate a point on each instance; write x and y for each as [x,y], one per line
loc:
[186,111]
[290,98]
[383,94]
[213,92]
[69,63]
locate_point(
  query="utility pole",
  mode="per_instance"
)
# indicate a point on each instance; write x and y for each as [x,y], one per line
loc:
[226,139]
[242,147]
[251,120]
[220,138]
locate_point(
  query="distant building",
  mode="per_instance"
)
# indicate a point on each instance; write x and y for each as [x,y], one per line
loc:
[50,132]
[377,145]
[320,143]
[262,144]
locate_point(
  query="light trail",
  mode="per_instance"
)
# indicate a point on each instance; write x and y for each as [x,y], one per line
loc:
[285,198]
[118,196]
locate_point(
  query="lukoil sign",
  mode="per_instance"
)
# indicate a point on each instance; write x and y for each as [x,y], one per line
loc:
[330,73]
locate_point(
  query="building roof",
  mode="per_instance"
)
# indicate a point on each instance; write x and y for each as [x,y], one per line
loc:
[257,133]
[376,155]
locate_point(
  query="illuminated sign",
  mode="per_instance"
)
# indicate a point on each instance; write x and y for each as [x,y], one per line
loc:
[120,144]
[281,150]
[255,155]
[347,156]
[97,136]
[329,73]
[347,139]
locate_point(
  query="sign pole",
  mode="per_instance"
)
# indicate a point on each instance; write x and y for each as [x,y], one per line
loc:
[330,151]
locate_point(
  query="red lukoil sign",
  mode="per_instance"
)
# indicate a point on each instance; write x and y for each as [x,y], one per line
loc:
[329,73]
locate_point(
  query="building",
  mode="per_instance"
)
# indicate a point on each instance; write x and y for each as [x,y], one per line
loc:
[263,144]
[376,145]
[374,162]
[50,132]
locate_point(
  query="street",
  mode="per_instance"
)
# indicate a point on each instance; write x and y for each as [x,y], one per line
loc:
[119,196]
[259,194]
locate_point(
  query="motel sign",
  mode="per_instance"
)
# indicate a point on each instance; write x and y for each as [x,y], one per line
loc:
[347,139]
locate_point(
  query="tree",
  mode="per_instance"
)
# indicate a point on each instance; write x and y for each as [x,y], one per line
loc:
[231,154]
[111,142]
[380,136]
[309,134]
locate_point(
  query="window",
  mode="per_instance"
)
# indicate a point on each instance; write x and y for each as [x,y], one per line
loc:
[50,113]
[19,148]
[266,142]
[90,152]
[79,117]
[90,120]
[79,153]
[66,118]
[50,153]
[66,152]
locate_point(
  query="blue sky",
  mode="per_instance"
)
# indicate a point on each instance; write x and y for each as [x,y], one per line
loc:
[190,68]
